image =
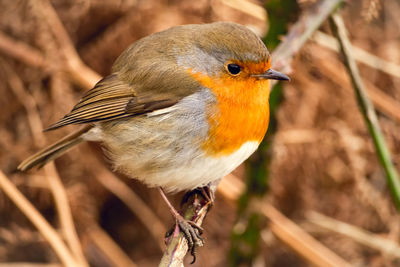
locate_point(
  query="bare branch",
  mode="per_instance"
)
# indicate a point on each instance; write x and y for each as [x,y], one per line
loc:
[56,186]
[362,236]
[248,8]
[300,33]
[37,219]
[359,54]
[107,245]
[367,109]
[284,229]
[85,76]
[384,103]
[22,51]
[177,247]
[138,207]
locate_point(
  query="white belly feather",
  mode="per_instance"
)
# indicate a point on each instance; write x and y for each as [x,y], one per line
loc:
[202,170]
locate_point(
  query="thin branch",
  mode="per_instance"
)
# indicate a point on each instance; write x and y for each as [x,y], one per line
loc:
[56,186]
[362,236]
[367,109]
[284,229]
[247,7]
[38,221]
[64,213]
[27,101]
[109,181]
[300,33]
[111,34]
[22,51]
[82,74]
[138,207]
[359,54]
[177,247]
[237,184]
[299,240]
[108,246]
[231,187]
[383,102]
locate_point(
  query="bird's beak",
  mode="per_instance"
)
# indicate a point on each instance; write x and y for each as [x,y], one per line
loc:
[272,75]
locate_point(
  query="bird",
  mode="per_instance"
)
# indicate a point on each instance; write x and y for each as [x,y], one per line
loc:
[181,109]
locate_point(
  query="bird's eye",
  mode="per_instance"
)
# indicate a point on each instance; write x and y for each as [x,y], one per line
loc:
[233,69]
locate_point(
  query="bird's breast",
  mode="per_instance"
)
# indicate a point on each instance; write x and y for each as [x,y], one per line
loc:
[240,114]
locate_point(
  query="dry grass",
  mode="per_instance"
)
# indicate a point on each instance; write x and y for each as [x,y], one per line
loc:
[323,158]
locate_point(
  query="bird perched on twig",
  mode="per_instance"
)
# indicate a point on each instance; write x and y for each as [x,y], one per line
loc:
[181,109]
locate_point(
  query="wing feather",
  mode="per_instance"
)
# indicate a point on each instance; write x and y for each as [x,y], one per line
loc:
[107,100]
[113,98]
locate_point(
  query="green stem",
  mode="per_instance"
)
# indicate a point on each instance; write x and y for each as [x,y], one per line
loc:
[367,108]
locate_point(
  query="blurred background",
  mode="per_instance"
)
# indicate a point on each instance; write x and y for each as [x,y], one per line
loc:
[317,164]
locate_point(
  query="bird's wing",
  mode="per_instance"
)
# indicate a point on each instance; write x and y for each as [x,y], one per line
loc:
[113,98]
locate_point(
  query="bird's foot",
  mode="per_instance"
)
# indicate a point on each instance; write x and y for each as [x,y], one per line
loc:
[206,192]
[191,231]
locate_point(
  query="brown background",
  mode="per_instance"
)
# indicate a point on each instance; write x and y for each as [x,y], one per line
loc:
[322,159]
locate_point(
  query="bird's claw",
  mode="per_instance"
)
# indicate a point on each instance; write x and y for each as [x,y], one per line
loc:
[192,233]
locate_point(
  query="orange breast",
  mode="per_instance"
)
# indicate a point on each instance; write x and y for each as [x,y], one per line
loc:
[241,115]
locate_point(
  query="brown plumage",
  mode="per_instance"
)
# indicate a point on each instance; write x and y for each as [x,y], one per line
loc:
[131,90]
[181,109]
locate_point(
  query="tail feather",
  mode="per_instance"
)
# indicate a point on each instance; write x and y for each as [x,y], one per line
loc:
[54,151]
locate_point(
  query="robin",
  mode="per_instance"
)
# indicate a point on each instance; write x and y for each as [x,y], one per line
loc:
[181,109]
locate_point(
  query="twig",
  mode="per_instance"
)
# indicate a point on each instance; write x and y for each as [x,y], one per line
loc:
[27,101]
[56,186]
[105,243]
[22,51]
[362,236]
[37,219]
[300,33]
[64,213]
[147,217]
[177,246]
[383,102]
[112,34]
[236,185]
[109,181]
[299,240]
[284,229]
[82,74]
[359,54]
[366,192]
[367,109]
[247,7]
